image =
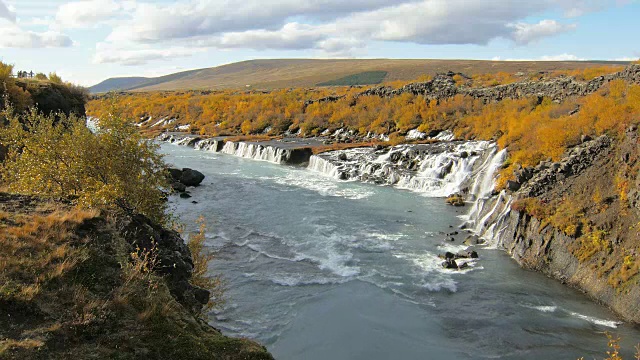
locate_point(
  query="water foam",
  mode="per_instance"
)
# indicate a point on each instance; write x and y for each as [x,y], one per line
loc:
[596,321]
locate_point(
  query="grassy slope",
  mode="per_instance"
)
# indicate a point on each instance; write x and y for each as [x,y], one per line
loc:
[363,78]
[284,73]
[70,289]
[120,83]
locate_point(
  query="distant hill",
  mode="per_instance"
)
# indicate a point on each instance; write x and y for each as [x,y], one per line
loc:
[286,73]
[121,83]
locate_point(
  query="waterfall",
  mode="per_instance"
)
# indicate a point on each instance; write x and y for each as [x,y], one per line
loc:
[437,170]
[485,176]
[434,170]
[488,213]
[256,152]
[184,141]
[318,164]
[207,145]
[445,173]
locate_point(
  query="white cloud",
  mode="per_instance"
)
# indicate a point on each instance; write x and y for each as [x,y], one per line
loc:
[559,57]
[6,13]
[292,36]
[329,26]
[152,22]
[15,37]
[525,33]
[107,53]
[89,13]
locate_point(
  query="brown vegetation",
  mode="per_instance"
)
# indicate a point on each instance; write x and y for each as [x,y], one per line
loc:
[71,286]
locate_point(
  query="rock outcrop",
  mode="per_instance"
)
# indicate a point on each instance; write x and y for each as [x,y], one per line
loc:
[443,86]
[532,182]
[543,248]
[174,261]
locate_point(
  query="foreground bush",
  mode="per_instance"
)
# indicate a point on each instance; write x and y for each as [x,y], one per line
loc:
[59,157]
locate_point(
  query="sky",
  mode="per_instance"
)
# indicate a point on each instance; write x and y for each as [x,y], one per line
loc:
[88,41]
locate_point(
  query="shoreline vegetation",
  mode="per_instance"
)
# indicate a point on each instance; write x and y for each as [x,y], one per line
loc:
[89,264]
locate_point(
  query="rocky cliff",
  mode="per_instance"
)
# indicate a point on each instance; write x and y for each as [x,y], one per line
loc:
[576,220]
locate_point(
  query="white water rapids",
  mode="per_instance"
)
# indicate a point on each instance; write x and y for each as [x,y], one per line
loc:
[432,170]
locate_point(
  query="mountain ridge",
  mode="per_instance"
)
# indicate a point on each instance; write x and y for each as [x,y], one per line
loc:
[286,73]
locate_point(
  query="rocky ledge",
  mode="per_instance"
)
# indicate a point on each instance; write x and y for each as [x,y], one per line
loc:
[78,284]
[598,255]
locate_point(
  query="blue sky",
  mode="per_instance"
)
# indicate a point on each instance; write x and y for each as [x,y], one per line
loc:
[90,40]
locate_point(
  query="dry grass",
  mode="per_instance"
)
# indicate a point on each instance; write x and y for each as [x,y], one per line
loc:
[72,287]
[201,275]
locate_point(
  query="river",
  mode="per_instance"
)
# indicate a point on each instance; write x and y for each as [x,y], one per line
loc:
[318,268]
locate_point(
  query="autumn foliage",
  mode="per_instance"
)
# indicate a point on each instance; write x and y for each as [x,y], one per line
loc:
[531,128]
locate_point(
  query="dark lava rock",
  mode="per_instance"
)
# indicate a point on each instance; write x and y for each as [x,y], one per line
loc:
[179,187]
[176,174]
[448,255]
[342,157]
[174,260]
[513,186]
[191,177]
[449,264]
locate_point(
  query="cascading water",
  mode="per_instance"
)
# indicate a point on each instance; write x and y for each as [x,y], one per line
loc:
[318,164]
[436,170]
[207,145]
[255,151]
[488,212]
[433,170]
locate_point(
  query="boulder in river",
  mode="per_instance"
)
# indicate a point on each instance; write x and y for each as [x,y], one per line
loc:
[473,240]
[186,176]
[191,177]
[449,264]
[179,187]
